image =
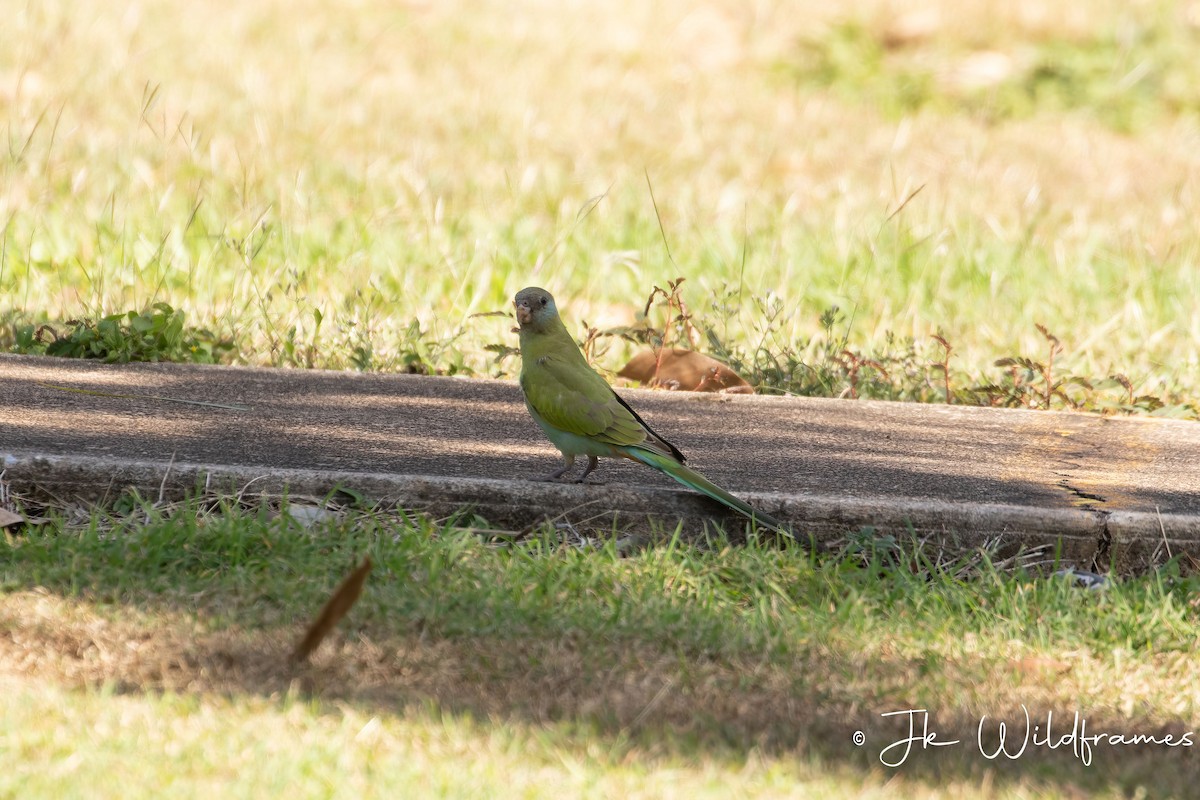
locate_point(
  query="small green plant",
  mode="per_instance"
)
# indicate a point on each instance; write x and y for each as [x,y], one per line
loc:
[156,334]
[420,353]
[1031,384]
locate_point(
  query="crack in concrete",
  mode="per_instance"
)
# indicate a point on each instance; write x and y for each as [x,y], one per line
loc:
[1087,497]
[1089,501]
[1101,562]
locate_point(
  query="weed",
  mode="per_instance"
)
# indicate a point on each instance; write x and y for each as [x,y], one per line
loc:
[156,334]
[921,372]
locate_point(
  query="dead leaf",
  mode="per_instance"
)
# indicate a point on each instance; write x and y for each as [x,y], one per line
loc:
[339,603]
[684,370]
[9,518]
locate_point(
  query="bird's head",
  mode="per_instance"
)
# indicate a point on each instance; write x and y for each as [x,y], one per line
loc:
[535,309]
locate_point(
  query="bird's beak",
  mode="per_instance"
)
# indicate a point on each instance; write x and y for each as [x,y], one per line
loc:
[524,315]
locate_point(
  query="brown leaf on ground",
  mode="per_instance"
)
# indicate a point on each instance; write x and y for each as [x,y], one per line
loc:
[9,518]
[684,370]
[343,599]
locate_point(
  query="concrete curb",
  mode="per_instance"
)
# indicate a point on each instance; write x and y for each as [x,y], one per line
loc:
[1126,541]
[1089,486]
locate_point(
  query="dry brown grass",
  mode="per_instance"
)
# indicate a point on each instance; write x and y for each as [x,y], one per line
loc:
[390,96]
[637,704]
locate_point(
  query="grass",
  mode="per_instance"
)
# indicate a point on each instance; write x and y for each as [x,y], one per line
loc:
[534,667]
[350,189]
[971,202]
[1129,72]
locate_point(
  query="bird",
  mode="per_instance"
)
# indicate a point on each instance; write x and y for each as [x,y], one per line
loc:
[582,415]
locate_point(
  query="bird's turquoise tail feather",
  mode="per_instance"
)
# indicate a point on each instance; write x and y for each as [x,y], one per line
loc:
[697,482]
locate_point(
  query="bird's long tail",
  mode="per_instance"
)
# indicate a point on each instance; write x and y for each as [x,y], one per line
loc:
[697,482]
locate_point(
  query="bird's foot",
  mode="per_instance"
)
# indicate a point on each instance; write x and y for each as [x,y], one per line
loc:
[568,462]
[592,462]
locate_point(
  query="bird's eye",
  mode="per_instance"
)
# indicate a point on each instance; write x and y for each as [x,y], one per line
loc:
[543,301]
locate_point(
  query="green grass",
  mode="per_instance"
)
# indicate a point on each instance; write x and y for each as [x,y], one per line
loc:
[1128,73]
[559,668]
[864,201]
[351,190]
[717,599]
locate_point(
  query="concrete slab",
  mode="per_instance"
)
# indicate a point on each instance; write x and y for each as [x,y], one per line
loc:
[1107,490]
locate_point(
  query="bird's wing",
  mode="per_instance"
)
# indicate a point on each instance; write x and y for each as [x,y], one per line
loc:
[574,398]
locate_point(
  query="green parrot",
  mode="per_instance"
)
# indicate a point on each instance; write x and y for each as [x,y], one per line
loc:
[583,416]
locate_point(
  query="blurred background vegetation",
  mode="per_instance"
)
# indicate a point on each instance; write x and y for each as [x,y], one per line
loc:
[347,185]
